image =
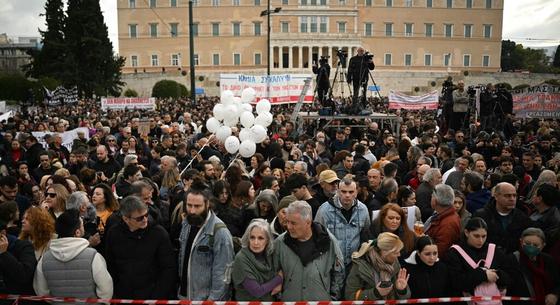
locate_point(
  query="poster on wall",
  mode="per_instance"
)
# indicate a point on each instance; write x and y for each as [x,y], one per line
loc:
[284,88]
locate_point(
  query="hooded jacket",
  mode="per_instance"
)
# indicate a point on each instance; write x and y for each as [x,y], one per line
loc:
[477,200]
[316,278]
[65,250]
[426,281]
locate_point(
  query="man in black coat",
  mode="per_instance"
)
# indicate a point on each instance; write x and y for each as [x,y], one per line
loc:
[105,163]
[505,221]
[358,72]
[139,255]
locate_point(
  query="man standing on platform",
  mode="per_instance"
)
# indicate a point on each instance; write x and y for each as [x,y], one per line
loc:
[358,73]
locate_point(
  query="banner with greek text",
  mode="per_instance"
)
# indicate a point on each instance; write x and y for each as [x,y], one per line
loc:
[427,101]
[542,101]
[67,137]
[128,103]
[284,88]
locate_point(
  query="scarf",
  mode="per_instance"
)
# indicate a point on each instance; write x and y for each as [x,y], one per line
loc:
[542,283]
[385,270]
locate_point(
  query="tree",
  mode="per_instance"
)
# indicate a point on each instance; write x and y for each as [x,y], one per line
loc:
[516,57]
[90,63]
[130,93]
[556,61]
[169,88]
[49,60]
[14,87]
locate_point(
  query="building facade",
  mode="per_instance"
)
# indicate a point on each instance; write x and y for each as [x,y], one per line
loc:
[231,35]
[14,55]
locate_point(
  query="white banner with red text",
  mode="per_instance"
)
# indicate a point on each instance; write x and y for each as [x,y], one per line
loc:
[284,88]
[189,302]
[542,101]
[398,100]
[128,103]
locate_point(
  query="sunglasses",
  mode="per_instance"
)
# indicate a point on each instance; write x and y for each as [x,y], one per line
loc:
[52,195]
[139,218]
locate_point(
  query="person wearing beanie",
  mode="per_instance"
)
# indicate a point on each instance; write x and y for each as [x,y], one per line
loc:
[70,251]
[278,224]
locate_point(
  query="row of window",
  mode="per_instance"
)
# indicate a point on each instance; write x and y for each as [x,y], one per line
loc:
[314,24]
[387,3]
[388,60]
[175,60]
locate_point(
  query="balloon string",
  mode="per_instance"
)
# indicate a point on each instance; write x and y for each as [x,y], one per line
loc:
[197,154]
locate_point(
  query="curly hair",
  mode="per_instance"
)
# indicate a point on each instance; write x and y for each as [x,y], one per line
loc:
[111,203]
[42,227]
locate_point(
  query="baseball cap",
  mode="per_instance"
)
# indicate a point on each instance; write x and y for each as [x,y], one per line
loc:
[328,176]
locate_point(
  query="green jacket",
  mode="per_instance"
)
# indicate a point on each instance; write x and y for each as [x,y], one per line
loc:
[363,278]
[320,278]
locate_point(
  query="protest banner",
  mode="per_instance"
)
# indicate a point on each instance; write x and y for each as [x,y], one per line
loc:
[2,106]
[128,103]
[541,101]
[284,89]
[6,116]
[67,137]
[427,101]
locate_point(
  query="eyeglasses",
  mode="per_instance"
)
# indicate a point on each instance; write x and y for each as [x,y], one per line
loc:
[140,218]
[111,140]
[52,195]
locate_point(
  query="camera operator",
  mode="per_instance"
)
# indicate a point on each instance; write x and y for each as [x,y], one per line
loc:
[487,105]
[460,106]
[358,72]
[447,98]
[504,111]
[323,71]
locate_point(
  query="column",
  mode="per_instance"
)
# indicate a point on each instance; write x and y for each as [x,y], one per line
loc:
[310,57]
[332,56]
[271,59]
[300,57]
[290,57]
[281,57]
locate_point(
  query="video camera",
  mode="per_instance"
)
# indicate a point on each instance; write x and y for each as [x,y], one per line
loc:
[324,60]
[341,53]
[368,56]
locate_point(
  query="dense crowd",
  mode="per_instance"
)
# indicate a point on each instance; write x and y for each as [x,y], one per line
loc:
[317,213]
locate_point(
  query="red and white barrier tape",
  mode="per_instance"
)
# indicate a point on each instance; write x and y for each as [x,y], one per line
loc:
[188,302]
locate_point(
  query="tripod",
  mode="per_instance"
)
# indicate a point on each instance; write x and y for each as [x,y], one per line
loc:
[340,76]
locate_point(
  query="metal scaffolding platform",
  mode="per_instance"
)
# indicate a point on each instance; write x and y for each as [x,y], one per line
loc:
[334,121]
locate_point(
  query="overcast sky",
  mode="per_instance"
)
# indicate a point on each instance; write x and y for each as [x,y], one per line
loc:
[533,23]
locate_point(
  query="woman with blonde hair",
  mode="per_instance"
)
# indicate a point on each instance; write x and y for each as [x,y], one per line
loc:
[376,273]
[37,226]
[55,199]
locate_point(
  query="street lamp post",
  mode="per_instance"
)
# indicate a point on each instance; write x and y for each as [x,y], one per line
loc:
[267,13]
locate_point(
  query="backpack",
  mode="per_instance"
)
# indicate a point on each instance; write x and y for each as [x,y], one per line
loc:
[236,240]
[485,289]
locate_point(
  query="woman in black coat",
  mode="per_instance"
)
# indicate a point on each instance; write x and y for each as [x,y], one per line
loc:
[464,279]
[429,277]
[537,275]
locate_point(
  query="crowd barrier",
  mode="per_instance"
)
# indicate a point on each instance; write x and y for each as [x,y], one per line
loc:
[188,302]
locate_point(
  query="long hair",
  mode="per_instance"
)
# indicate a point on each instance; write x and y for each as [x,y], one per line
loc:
[241,193]
[111,203]
[170,178]
[404,232]
[42,227]
[62,195]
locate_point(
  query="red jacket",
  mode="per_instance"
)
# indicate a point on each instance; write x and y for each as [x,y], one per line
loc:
[445,229]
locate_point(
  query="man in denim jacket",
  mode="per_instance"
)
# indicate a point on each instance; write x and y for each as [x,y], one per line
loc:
[206,252]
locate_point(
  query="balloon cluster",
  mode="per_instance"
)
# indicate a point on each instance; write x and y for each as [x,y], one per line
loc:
[233,110]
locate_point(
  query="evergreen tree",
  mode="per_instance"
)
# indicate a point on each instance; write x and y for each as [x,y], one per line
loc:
[49,60]
[90,63]
[556,61]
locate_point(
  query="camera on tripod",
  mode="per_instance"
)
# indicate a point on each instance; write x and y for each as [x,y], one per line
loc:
[471,90]
[368,56]
[324,60]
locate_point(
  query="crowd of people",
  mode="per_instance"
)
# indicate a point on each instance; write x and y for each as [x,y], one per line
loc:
[317,213]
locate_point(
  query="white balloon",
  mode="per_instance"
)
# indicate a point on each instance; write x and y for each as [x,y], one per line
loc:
[231,122]
[247,107]
[212,124]
[264,119]
[263,106]
[227,97]
[248,95]
[232,144]
[222,133]
[230,113]
[219,111]
[245,134]
[247,148]
[236,100]
[247,119]
[258,133]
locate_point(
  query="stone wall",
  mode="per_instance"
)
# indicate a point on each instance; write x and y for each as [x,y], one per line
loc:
[402,81]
